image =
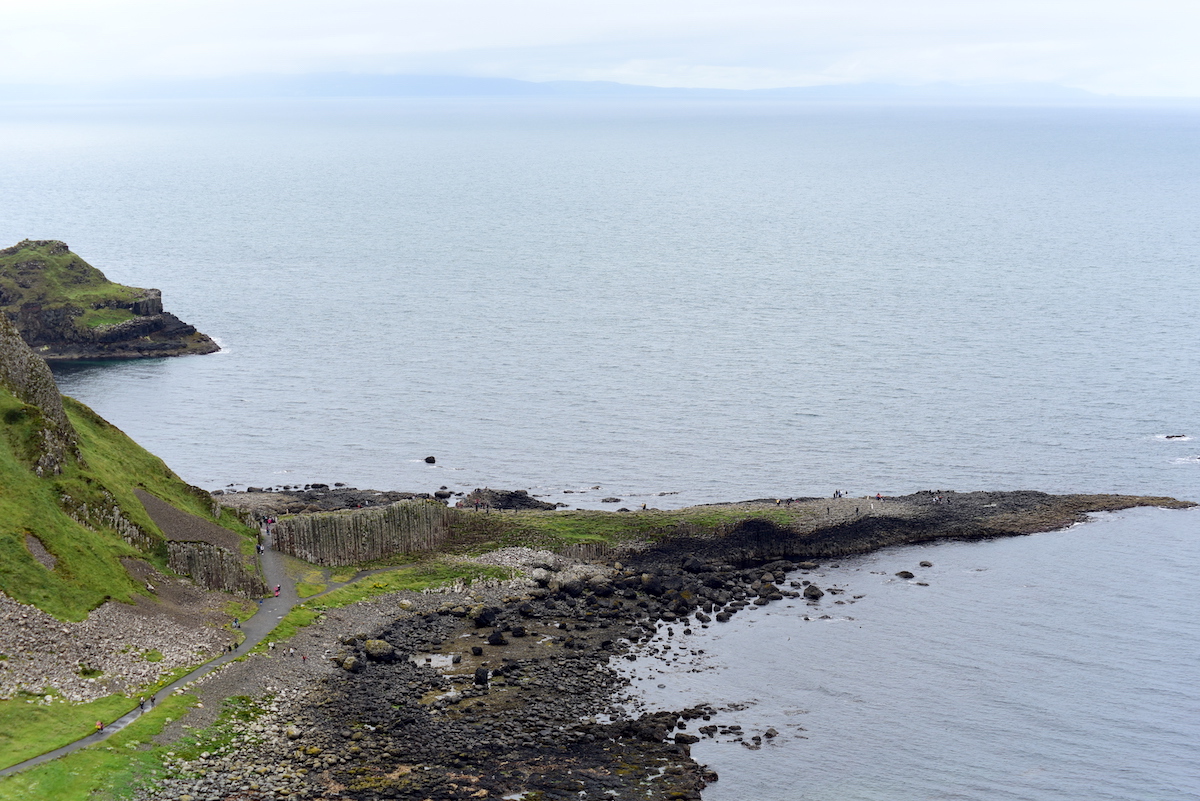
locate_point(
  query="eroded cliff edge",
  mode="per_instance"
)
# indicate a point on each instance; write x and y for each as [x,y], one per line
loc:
[66,309]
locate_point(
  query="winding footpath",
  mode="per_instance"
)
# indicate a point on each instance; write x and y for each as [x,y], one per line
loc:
[256,629]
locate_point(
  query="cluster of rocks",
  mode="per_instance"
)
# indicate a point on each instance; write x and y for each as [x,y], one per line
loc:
[499,695]
[514,693]
[104,654]
[503,499]
[262,502]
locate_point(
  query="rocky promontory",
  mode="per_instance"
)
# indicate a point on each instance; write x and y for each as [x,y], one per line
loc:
[65,309]
[514,692]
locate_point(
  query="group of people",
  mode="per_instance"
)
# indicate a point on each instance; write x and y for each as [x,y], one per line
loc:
[100,725]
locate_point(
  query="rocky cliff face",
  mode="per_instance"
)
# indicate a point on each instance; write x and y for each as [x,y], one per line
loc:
[66,309]
[29,379]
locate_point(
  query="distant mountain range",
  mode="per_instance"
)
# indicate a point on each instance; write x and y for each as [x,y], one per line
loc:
[345,85]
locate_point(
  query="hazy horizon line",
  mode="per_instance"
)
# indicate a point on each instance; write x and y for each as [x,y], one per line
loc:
[334,85]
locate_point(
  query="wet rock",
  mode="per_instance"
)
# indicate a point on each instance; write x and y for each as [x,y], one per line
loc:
[904,574]
[927,564]
[813,592]
[496,638]
[481,676]
[430,460]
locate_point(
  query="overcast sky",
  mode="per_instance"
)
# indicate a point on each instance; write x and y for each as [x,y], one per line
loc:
[1128,47]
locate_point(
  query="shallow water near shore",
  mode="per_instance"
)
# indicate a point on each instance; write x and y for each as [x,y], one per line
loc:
[1044,668]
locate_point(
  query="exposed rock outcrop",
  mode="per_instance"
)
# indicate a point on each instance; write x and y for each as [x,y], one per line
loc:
[30,380]
[502,499]
[362,535]
[66,309]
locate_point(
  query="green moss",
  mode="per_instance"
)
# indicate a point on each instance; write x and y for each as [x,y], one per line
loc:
[94,318]
[153,655]
[478,532]
[417,577]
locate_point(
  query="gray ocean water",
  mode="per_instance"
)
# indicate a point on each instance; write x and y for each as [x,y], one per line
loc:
[1056,667]
[718,302]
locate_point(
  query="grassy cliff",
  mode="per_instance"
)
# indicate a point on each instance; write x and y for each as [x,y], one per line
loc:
[67,481]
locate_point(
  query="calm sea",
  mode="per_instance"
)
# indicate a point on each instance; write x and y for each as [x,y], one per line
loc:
[1057,667]
[716,302]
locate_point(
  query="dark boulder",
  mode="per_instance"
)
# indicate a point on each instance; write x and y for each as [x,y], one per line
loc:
[813,592]
[486,617]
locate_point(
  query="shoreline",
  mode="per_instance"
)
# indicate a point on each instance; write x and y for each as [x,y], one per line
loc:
[397,705]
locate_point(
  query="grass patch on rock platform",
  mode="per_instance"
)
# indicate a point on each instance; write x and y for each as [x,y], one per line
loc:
[479,532]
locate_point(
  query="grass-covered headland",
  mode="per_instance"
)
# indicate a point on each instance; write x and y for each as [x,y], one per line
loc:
[66,309]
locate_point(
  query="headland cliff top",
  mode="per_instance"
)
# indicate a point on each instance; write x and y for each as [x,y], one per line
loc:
[65,309]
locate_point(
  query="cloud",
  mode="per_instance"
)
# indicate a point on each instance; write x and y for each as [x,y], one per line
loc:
[1104,45]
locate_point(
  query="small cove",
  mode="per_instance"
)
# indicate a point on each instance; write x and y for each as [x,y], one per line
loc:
[1043,668]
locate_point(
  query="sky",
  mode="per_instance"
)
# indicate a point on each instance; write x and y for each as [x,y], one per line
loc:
[1121,47]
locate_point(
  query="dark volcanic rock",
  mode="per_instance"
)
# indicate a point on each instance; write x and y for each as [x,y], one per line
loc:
[501,499]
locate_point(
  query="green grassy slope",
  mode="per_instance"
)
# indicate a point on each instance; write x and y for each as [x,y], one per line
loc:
[49,274]
[88,571]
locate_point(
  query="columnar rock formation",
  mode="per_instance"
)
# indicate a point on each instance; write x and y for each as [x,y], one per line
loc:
[362,535]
